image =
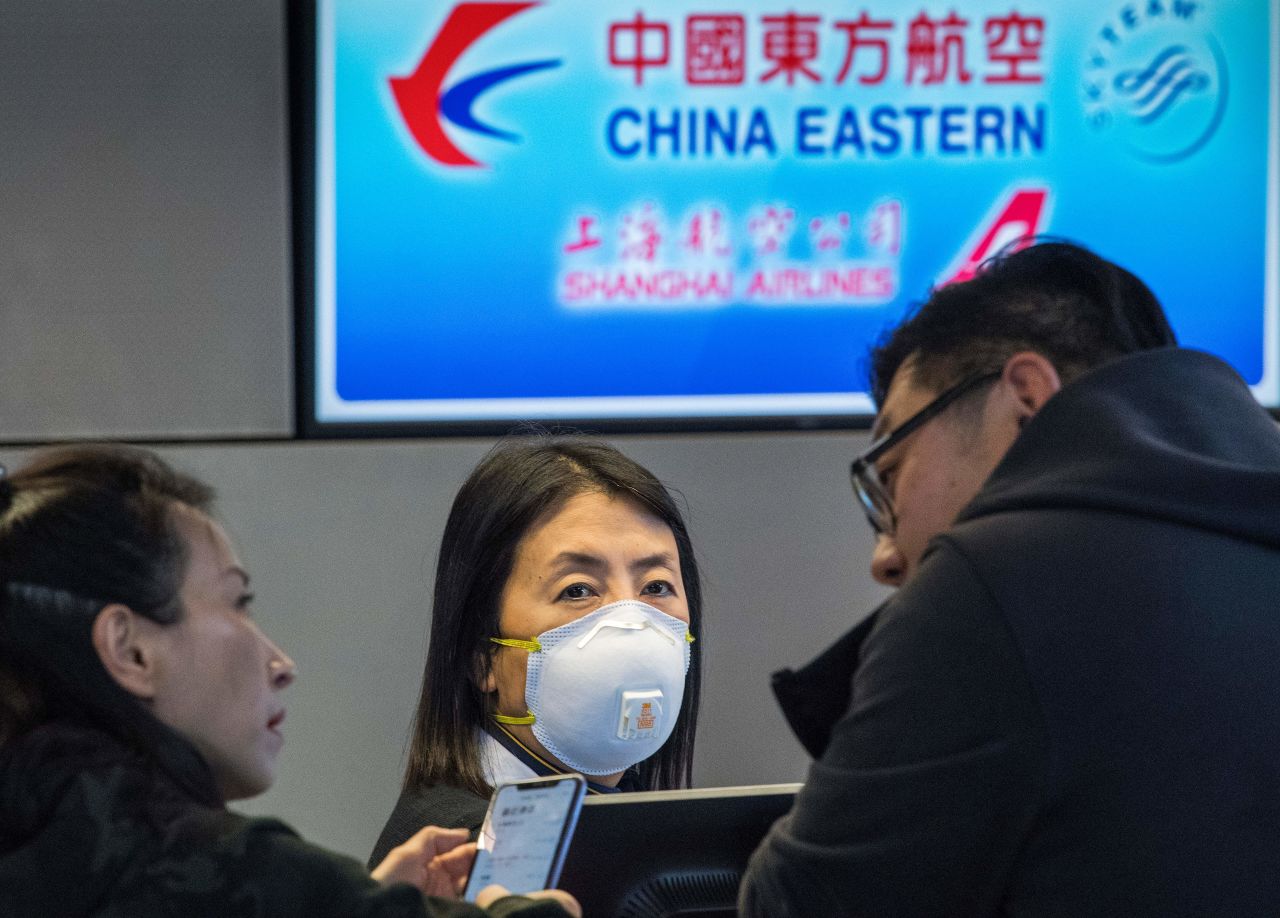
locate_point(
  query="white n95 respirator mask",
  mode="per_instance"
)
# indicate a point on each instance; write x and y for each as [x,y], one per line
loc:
[604,691]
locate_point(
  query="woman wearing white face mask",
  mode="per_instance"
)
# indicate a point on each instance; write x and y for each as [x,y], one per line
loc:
[563,635]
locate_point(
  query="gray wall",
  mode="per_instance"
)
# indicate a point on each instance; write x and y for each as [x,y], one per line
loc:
[144,294]
[143,220]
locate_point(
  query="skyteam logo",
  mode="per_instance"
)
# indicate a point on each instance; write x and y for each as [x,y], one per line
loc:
[1156,80]
[423,99]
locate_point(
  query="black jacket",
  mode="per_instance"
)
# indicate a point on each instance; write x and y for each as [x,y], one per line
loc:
[437,805]
[1073,708]
[90,827]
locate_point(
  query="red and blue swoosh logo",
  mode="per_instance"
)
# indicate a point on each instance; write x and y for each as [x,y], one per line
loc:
[424,102]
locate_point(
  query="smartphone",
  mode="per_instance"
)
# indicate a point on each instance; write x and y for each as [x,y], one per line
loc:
[525,834]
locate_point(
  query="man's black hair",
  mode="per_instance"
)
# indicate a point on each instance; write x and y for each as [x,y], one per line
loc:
[1056,298]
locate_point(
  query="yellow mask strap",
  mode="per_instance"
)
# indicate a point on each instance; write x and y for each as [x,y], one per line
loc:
[505,719]
[531,646]
[689,638]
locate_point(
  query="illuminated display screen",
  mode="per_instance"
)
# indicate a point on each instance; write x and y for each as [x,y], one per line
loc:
[671,210]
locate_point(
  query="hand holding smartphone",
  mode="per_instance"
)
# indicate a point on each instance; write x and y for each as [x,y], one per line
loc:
[525,834]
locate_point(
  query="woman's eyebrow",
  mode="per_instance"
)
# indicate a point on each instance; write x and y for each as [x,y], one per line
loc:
[583,560]
[658,559]
[578,559]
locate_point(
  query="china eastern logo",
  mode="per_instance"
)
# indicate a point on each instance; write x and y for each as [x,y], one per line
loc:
[425,103]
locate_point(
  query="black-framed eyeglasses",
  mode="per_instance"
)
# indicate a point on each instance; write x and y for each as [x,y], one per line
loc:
[867,487]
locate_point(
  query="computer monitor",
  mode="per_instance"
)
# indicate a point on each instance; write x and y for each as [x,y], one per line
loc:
[669,853]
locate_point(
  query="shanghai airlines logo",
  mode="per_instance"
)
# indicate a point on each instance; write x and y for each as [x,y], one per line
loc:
[425,103]
[1017,218]
[1157,82]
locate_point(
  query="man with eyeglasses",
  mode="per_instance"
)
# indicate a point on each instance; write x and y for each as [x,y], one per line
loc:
[1071,706]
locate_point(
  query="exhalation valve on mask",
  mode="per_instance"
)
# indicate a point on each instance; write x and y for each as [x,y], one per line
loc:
[639,714]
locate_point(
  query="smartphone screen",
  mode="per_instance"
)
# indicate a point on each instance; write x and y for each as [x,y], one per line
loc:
[525,834]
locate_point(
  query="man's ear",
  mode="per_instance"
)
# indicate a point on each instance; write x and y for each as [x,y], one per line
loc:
[125,644]
[1032,379]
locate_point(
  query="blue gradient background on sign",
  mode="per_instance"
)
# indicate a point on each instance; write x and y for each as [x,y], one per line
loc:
[445,278]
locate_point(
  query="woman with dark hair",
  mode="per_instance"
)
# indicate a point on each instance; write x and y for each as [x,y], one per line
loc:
[137,696]
[567,601]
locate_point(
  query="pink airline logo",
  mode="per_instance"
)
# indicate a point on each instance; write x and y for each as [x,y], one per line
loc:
[1017,221]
